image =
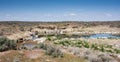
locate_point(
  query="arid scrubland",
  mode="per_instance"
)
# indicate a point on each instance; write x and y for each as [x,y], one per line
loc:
[59,42]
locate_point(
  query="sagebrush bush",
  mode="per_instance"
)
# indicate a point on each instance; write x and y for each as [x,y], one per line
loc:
[86,45]
[51,50]
[117,51]
[6,44]
[48,38]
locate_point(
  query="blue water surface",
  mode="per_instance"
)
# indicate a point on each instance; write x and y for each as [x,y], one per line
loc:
[103,36]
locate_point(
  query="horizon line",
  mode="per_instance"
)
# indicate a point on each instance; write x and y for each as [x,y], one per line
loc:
[63,21]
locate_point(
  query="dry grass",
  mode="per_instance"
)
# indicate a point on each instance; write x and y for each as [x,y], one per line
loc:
[35,56]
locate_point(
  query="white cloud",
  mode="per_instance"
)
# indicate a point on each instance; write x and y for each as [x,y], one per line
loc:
[70,14]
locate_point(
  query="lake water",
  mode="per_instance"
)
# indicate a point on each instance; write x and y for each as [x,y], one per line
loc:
[101,36]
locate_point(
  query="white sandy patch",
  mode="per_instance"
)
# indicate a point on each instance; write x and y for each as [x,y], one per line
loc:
[40,40]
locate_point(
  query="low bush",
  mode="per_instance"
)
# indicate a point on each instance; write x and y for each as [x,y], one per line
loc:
[86,45]
[51,50]
[102,49]
[6,44]
[61,36]
[117,51]
[48,38]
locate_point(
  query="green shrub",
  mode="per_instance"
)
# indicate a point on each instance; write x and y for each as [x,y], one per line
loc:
[60,36]
[78,45]
[102,48]
[109,51]
[109,46]
[94,46]
[86,45]
[57,53]
[54,52]
[117,51]
[6,44]
[42,46]
[51,50]
[65,43]
[48,38]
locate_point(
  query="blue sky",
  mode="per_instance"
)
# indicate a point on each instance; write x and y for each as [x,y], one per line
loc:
[59,10]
